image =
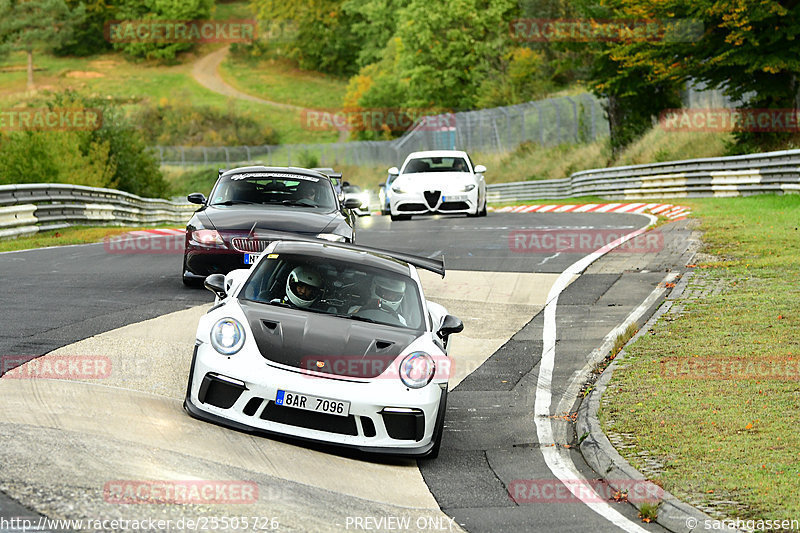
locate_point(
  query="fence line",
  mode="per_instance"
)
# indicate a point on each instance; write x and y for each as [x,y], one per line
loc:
[576,119]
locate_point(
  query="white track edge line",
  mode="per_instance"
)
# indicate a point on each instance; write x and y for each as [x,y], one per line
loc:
[561,467]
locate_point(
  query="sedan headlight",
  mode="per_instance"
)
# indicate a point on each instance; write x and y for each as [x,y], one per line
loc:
[331,237]
[467,188]
[398,190]
[417,370]
[227,336]
[207,237]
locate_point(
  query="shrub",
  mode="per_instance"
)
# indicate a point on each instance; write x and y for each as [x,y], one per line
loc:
[185,125]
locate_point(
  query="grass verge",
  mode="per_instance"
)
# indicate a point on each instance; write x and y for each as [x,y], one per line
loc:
[712,393]
[62,237]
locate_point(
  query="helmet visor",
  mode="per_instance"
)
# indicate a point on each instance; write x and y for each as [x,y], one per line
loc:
[388,294]
[304,291]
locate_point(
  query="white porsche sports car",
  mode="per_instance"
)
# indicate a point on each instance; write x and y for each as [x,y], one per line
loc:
[326,342]
[438,182]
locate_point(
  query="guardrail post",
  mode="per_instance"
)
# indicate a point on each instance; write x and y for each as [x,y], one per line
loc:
[247,151]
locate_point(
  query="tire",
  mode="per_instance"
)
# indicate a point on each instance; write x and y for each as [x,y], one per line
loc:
[187,281]
[483,212]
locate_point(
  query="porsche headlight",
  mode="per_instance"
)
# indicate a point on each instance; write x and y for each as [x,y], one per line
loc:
[417,370]
[331,237]
[467,188]
[227,336]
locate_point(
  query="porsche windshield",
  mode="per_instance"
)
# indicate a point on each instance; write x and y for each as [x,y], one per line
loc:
[436,164]
[274,188]
[348,290]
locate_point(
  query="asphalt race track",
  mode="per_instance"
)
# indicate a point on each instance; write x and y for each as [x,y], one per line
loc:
[62,442]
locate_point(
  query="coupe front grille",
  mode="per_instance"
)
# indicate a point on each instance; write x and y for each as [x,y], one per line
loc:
[309,419]
[253,246]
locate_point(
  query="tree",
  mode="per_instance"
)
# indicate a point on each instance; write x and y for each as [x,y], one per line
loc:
[323,40]
[748,48]
[448,48]
[174,10]
[32,25]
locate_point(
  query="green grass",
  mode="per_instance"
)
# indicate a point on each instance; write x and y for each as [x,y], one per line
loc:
[129,83]
[280,81]
[62,237]
[732,440]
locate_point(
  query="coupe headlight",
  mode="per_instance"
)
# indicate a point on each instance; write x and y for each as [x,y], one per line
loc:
[207,237]
[467,188]
[227,336]
[417,370]
[331,237]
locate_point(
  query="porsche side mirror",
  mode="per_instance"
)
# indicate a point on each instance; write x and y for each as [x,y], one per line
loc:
[216,284]
[480,169]
[451,324]
[394,171]
[197,198]
[352,203]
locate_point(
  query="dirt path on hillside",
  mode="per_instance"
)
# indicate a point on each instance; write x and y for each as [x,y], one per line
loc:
[206,72]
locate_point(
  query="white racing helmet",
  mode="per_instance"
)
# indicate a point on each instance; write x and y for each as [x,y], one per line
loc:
[388,291]
[303,286]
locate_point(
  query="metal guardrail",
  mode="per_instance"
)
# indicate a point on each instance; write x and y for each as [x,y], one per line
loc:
[769,172]
[30,208]
[27,209]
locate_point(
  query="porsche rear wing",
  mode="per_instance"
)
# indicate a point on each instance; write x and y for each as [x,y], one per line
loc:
[426,263]
[329,172]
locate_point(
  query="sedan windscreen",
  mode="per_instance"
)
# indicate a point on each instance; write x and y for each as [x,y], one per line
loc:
[274,188]
[348,290]
[436,164]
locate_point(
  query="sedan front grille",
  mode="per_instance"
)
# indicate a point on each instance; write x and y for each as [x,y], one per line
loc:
[432,197]
[243,244]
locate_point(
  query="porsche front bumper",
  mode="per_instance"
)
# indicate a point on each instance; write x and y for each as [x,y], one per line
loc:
[384,416]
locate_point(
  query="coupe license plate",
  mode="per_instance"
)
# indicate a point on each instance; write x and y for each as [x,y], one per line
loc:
[312,403]
[249,259]
[454,198]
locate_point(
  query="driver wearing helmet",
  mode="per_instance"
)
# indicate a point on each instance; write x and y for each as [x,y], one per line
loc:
[387,295]
[303,287]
